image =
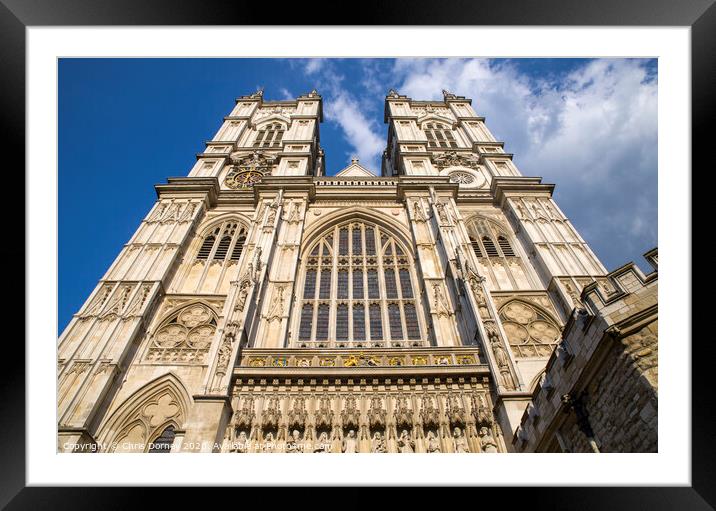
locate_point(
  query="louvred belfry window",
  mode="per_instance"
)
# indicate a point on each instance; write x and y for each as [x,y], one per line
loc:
[358,291]
[269,136]
[224,242]
[439,136]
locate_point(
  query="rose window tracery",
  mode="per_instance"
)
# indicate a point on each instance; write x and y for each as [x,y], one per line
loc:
[185,337]
[460,177]
[531,332]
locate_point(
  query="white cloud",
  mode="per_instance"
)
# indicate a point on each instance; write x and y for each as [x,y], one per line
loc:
[592,132]
[347,110]
[313,66]
[285,93]
[360,132]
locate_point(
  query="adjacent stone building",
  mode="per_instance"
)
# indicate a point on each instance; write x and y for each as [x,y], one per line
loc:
[262,306]
[599,392]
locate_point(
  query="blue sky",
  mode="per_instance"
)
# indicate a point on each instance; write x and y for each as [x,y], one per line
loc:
[589,126]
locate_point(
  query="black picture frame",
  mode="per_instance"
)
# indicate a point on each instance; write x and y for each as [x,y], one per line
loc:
[700,15]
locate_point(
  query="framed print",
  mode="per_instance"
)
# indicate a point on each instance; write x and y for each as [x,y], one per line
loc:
[433,241]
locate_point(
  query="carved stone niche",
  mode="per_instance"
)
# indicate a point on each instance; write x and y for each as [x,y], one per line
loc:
[271,415]
[429,414]
[297,417]
[376,414]
[350,416]
[481,412]
[244,417]
[455,411]
[323,418]
[403,415]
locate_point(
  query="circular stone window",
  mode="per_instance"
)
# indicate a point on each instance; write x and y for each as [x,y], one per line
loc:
[460,177]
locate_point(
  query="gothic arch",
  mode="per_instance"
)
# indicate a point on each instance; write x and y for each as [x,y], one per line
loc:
[184,334]
[537,379]
[434,118]
[357,285]
[498,228]
[145,414]
[211,256]
[208,225]
[531,330]
[281,119]
[356,213]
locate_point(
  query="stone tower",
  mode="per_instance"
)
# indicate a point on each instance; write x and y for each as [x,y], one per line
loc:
[262,306]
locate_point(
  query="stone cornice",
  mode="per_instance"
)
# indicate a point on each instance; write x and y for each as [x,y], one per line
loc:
[205,187]
[422,183]
[271,184]
[504,186]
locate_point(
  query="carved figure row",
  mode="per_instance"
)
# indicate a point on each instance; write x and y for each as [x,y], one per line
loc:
[452,422]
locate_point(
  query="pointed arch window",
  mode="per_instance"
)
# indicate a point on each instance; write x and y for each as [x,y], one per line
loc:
[184,337]
[484,246]
[531,331]
[163,443]
[223,243]
[366,291]
[269,136]
[505,246]
[439,136]
[489,247]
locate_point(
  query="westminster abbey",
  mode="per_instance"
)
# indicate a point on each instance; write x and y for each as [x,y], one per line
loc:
[440,304]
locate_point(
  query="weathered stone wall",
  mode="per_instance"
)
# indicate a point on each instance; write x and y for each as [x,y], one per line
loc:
[621,399]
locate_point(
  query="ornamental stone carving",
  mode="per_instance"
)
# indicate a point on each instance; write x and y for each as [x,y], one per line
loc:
[350,416]
[531,332]
[455,159]
[185,337]
[247,169]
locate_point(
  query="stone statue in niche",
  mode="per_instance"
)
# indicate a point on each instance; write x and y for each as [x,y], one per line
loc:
[350,442]
[242,443]
[501,357]
[273,208]
[487,441]
[224,352]
[433,444]
[243,294]
[479,297]
[480,410]
[294,442]
[377,443]
[293,215]
[405,443]
[269,444]
[442,212]
[277,304]
[418,212]
[572,294]
[323,443]
[459,441]
[441,306]
[521,211]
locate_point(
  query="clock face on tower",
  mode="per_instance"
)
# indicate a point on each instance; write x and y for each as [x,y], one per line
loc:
[242,179]
[248,169]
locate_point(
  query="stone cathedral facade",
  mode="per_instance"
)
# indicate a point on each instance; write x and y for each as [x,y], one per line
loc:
[263,306]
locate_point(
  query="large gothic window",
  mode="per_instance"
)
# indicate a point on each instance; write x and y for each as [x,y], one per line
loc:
[219,251]
[184,337]
[497,253]
[358,291]
[531,331]
[223,243]
[163,443]
[439,135]
[269,136]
